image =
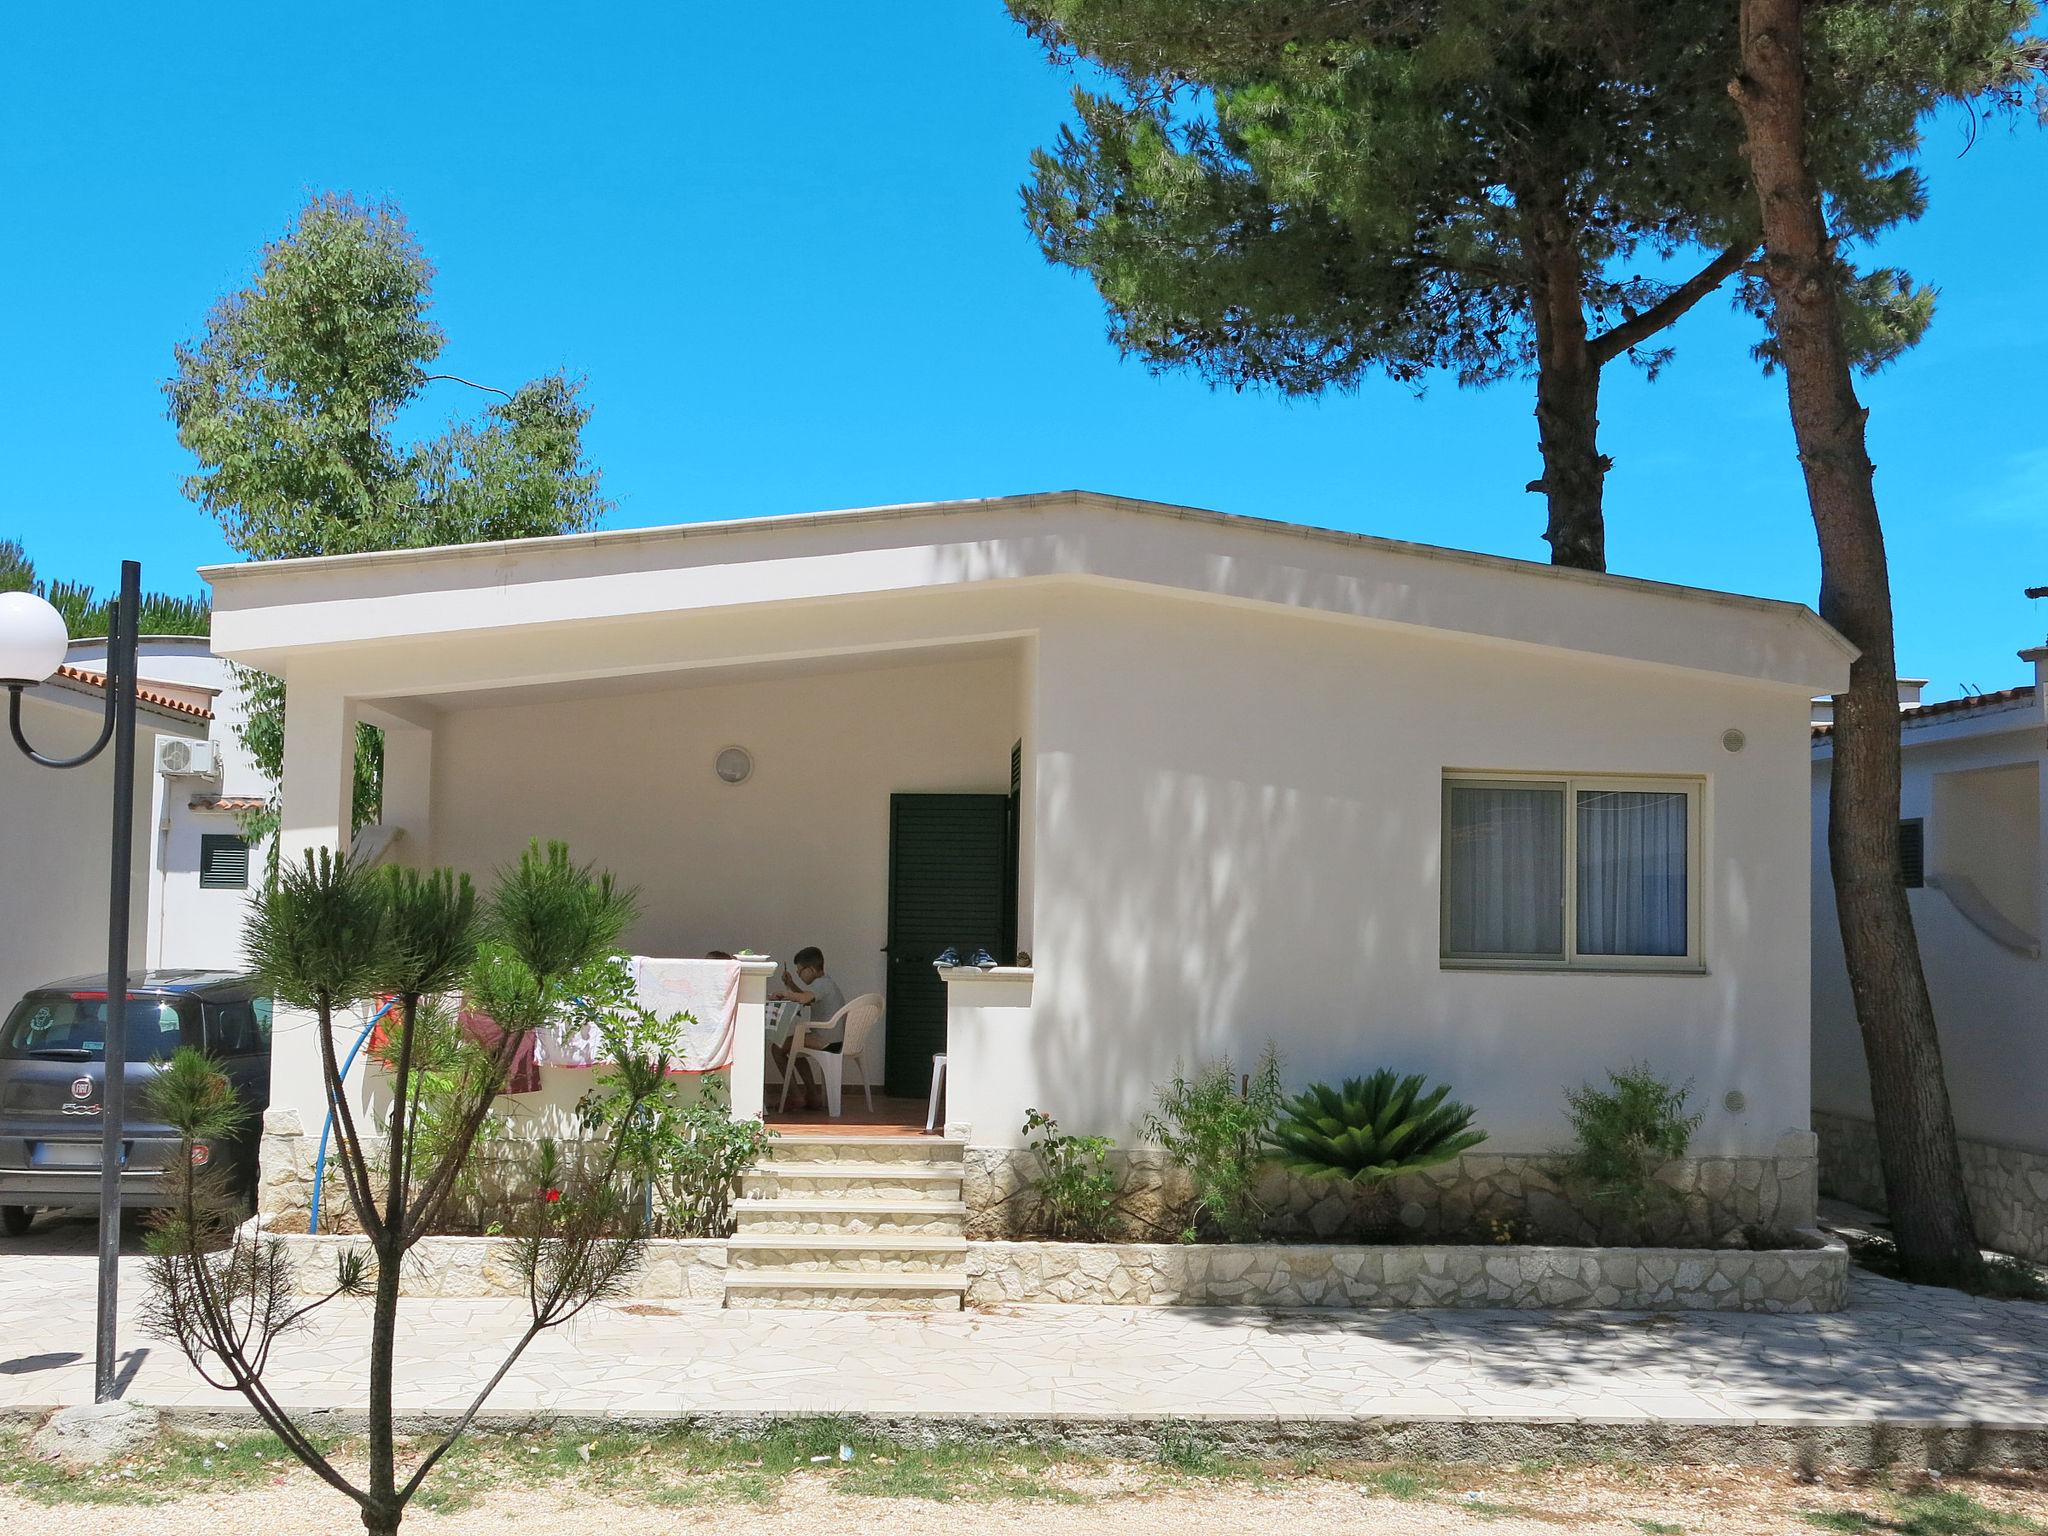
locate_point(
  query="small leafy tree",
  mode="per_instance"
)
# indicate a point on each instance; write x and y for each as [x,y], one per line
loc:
[1624,1134]
[1371,1129]
[326,934]
[1214,1127]
[1075,1189]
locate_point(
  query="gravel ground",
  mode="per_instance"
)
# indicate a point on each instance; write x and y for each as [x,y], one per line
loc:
[1597,1500]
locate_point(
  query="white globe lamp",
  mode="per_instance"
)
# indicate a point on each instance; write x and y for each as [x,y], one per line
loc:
[32,640]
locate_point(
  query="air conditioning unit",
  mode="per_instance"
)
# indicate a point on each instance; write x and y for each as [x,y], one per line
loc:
[178,758]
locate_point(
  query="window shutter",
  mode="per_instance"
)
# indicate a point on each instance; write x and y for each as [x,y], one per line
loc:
[1913,853]
[223,862]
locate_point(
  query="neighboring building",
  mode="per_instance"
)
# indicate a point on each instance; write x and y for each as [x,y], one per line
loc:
[56,828]
[201,862]
[1972,817]
[1228,781]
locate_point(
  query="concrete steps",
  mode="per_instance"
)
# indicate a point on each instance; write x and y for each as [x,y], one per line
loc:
[851,1223]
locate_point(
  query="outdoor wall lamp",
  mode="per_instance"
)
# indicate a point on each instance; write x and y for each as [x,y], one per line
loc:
[33,643]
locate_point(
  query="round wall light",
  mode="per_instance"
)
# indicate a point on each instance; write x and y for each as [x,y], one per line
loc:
[734,765]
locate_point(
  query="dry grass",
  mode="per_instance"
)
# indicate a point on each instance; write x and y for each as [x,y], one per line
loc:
[792,1480]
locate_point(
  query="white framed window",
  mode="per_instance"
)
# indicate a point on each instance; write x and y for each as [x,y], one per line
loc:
[1571,872]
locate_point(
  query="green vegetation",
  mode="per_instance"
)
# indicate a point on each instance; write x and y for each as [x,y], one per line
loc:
[1624,1134]
[1371,1129]
[325,935]
[288,403]
[1926,1512]
[1214,1126]
[681,1141]
[1075,1189]
[86,613]
[687,1468]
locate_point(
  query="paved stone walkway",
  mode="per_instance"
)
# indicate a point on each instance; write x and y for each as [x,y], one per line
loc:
[1898,1353]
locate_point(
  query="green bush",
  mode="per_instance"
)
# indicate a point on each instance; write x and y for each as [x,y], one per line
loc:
[685,1148]
[1214,1127]
[1371,1128]
[1075,1188]
[1624,1133]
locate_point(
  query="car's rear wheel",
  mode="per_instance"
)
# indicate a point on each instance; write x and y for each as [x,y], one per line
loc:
[14,1219]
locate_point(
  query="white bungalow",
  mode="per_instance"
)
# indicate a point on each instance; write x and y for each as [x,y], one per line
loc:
[1226,781]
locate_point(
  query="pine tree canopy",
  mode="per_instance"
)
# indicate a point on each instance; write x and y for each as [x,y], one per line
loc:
[1301,195]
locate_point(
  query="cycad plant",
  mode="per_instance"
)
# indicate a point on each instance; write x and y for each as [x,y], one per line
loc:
[1372,1128]
[329,934]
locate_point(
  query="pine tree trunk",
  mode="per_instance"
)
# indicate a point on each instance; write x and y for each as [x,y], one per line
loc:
[1923,1174]
[383,1511]
[1567,381]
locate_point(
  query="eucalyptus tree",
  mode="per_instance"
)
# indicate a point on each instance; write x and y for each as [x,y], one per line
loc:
[290,402]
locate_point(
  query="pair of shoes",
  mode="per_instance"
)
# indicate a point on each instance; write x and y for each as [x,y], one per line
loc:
[948,959]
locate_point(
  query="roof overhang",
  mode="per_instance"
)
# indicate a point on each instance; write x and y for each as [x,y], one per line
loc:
[273,614]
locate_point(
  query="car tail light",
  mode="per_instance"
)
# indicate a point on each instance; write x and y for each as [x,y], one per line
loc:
[200,1153]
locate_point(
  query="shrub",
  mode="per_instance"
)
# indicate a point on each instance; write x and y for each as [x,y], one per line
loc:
[1371,1129]
[1215,1129]
[1076,1190]
[1624,1134]
[686,1149]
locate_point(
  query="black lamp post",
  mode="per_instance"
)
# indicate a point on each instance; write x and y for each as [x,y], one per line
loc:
[32,646]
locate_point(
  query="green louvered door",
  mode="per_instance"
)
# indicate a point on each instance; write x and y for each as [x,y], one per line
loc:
[948,856]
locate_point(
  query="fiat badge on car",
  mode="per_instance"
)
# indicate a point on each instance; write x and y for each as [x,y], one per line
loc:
[81,1087]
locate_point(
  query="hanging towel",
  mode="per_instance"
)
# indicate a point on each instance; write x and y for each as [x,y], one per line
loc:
[709,992]
[522,1072]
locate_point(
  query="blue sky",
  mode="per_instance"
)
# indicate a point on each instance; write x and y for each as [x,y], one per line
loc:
[790,263]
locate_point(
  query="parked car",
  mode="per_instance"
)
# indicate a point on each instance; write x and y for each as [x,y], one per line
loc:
[53,1071]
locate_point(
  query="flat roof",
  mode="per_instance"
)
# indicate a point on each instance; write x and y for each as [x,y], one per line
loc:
[794,522]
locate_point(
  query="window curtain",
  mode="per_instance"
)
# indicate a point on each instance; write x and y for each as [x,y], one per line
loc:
[1504,870]
[1632,876]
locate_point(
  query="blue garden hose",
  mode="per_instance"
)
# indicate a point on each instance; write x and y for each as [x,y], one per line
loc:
[320,1163]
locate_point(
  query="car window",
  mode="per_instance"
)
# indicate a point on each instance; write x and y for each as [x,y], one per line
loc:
[73,1027]
[238,1028]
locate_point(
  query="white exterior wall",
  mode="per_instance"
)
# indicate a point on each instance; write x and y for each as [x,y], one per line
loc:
[55,827]
[796,855]
[1990,1003]
[190,928]
[1235,741]
[1238,820]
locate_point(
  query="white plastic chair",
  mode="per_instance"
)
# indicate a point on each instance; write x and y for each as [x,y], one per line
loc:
[861,1017]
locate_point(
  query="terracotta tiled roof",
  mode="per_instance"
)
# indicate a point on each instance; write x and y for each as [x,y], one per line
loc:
[1969,701]
[147,696]
[228,802]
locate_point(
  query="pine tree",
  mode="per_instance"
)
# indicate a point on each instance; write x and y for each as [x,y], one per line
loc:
[1300,197]
[1910,54]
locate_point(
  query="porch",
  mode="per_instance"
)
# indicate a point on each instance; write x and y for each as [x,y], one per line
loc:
[869,804]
